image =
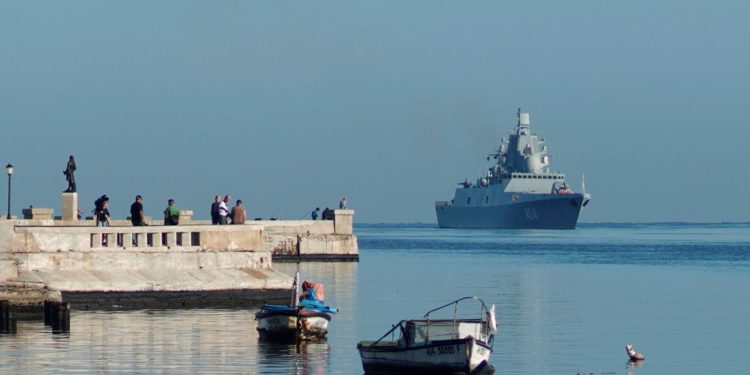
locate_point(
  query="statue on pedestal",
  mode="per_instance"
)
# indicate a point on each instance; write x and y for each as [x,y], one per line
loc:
[69,173]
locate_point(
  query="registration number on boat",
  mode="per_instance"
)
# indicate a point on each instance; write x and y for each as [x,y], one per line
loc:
[441,350]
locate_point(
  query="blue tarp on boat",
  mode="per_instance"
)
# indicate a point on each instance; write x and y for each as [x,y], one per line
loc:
[315,305]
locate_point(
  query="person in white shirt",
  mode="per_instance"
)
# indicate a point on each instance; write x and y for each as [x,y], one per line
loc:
[224,210]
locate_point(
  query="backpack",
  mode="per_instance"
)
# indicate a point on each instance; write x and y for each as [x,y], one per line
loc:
[99,203]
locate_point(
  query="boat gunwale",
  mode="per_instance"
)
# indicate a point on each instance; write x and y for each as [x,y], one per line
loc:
[397,348]
[426,318]
[438,321]
[298,314]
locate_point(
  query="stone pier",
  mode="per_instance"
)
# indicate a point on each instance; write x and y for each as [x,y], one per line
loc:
[196,264]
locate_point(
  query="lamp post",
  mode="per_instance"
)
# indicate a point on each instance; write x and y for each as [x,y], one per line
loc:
[9,169]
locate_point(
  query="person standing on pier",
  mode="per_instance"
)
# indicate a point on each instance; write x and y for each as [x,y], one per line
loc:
[342,203]
[224,210]
[238,213]
[102,212]
[171,213]
[215,218]
[136,212]
[314,214]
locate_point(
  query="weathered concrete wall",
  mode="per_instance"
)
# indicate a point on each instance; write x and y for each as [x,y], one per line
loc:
[344,221]
[295,227]
[6,237]
[232,237]
[332,247]
[312,240]
[185,260]
[281,244]
[46,259]
[8,270]
[300,238]
[38,213]
[151,280]
[28,295]
[177,259]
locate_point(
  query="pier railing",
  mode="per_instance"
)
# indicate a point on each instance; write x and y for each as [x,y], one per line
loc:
[284,239]
[156,237]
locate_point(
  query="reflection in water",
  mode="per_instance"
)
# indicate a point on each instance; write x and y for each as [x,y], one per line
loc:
[631,366]
[300,358]
[173,341]
[182,341]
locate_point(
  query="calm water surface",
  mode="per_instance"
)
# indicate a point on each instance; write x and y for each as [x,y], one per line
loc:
[568,301]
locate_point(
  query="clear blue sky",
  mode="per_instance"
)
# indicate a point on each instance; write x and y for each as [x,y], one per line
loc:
[291,105]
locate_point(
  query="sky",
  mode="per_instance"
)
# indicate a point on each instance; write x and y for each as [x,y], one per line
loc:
[289,105]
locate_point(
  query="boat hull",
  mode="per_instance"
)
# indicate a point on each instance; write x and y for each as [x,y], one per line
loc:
[466,355]
[301,325]
[528,212]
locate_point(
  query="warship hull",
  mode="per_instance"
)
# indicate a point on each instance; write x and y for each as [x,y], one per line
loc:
[547,212]
[518,191]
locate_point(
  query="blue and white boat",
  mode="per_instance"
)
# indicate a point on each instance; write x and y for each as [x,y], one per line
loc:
[305,318]
[434,346]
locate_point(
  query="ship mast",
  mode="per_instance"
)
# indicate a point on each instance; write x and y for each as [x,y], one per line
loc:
[518,114]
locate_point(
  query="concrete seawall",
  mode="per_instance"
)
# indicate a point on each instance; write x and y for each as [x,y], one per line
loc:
[306,240]
[186,265]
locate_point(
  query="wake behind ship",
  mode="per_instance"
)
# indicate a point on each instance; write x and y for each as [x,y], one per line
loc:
[519,191]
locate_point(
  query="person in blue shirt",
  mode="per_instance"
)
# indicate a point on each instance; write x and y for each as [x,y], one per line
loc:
[314,214]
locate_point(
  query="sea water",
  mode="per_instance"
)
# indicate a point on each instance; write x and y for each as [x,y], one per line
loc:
[567,302]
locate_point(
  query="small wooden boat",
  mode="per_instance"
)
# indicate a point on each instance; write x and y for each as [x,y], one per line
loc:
[284,322]
[434,346]
[306,318]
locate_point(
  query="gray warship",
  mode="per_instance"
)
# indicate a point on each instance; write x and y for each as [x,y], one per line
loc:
[519,191]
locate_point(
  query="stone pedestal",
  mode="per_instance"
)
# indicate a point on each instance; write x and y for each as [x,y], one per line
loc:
[70,206]
[186,216]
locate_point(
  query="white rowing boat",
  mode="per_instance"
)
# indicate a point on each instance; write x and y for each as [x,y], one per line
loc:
[434,346]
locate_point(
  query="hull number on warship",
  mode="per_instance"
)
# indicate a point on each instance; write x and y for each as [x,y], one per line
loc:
[531,214]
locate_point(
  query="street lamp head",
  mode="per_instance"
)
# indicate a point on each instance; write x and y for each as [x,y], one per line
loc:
[9,169]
